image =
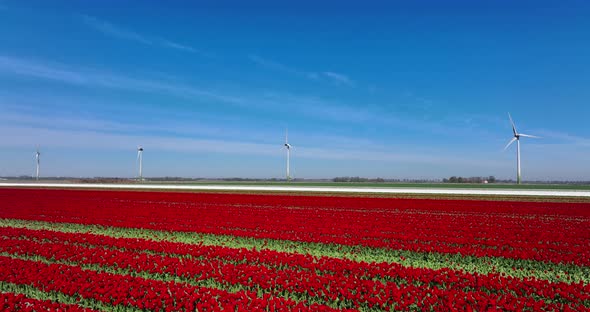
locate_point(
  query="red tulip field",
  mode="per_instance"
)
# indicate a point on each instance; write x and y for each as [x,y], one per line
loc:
[83,250]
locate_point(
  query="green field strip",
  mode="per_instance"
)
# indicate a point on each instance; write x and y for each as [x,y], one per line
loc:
[35,293]
[519,268]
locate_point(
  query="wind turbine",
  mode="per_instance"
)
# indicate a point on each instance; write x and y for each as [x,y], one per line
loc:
[37,160]
[517,139]
[140,160]
[288,147]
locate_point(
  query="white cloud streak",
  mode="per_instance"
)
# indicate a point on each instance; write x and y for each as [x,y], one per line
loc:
[116,31]
[338,78]
[301,105]
[563,137]
[82,139]
[266,101]
[178,46]
[32,69]
[100,79]
[329,76]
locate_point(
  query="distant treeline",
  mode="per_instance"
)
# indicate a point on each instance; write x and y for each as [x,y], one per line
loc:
[454,179]
[357,179]
[104,180]
[381,180]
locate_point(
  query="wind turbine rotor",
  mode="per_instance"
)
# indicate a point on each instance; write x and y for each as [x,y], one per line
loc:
[528,136]
[511,141]
[513,125]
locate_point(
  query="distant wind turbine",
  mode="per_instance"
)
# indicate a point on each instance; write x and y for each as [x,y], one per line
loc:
[37,160]
[140,160]
[517,139]
[288,147]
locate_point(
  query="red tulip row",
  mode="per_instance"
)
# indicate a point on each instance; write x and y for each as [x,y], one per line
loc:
[321,280]
[19,302]
[126,290]
[521,230]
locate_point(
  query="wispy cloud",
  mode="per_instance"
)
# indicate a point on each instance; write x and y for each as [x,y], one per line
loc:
[563,137]
[311,107]
[32,69]
[74,131]
[115,31]
[329,76]
[315,106]
[29,136]
[119,32]
[338,78]
[297,104]
[278,66]
[393,160]
[177,46]
[212,126]
[92,78]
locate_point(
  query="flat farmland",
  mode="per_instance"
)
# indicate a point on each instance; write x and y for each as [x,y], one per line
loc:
[104,250]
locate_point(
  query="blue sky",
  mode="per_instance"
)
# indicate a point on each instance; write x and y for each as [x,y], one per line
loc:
[413,89]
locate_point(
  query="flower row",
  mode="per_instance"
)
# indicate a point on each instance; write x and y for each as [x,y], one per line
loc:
[130,291]
[519,230]
[19,302]
[316,280]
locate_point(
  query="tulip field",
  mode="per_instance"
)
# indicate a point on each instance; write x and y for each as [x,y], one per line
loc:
[87,250]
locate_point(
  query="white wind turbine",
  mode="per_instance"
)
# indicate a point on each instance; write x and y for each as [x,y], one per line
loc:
[517,139]
[288,147]
[37,161]
[140,160]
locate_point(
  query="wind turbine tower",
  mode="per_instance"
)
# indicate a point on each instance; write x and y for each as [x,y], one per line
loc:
[140,160]
[37,160]
[288,147]
[517,139]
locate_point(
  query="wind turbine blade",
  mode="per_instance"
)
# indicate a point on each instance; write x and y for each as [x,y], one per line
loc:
[529,136]
[513,125]
[511,141]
